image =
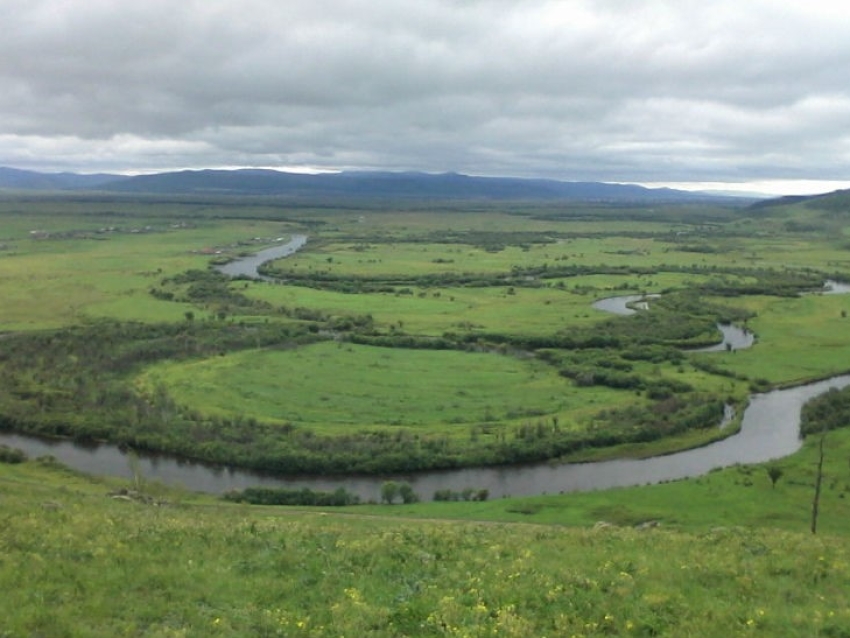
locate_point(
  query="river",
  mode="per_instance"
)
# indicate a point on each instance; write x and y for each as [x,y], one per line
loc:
[247,266]
[734,338]
[770,429]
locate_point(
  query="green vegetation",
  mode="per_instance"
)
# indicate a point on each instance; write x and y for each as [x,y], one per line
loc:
[410,338]
[400,339]
[335,384]
[721,555]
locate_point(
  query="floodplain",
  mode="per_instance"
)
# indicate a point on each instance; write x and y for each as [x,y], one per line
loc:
[405,338]
[467,334]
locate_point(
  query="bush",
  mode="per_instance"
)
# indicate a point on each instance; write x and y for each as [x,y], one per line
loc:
[282,496]
[12,455]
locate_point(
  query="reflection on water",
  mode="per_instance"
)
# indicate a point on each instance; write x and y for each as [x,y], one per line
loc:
[247,266]
[832,287]
[770,429]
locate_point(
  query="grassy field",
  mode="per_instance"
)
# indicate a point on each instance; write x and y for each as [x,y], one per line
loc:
[798,338]
[333,385]
[57,271]
[84,557]
[495,279]
[739,496]
[333,388]
[727,554]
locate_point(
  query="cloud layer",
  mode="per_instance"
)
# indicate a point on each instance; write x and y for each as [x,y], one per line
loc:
[657,90]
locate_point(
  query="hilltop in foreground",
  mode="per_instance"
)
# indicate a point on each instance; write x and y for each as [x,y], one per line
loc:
[79,563]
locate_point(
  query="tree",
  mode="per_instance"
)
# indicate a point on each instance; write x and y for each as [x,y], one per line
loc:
[407,494]
[775,473]
[389,490]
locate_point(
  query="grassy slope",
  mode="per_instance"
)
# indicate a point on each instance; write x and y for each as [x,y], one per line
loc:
[736,496]
[77,563]
[732,555]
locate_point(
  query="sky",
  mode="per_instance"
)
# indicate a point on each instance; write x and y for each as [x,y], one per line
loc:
[727,94]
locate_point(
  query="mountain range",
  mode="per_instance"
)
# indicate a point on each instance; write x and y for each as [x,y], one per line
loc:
[355,184]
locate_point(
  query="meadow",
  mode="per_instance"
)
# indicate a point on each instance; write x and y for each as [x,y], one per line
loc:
[467,336]
[724,555]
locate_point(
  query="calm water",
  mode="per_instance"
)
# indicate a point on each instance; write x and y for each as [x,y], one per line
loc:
[247,266]
[770,429]
[736,338]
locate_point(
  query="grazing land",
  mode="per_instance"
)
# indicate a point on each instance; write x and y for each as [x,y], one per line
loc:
[406,338]
[465,334]
[88,557]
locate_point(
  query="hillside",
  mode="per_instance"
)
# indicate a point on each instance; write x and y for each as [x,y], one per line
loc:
[351,185]
[12,178]
[838,201]
[83,559]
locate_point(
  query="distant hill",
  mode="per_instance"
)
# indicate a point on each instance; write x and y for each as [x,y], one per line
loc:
[836,201]
[444,186]
[13,178]
[452,186]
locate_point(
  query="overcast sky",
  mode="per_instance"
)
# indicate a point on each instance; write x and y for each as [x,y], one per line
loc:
[648,91]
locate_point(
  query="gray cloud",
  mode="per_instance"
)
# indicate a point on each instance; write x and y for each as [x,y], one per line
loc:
[661,90]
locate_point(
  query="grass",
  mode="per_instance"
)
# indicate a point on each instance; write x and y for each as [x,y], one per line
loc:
[334,387]
[77,273]
[727,554]
[79,563]
[739,496]
[610,247]
[798,338]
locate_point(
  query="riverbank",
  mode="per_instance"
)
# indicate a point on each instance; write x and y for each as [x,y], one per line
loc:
[67,541]
[769,430]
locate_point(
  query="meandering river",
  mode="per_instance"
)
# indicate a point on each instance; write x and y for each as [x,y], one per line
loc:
[734,338]
[770,429]
[247,266]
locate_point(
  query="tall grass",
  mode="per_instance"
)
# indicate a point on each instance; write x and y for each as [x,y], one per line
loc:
[79,563]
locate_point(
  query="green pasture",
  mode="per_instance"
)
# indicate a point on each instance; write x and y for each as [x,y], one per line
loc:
[417,258]
[798,338]
[98,259]
[740,496]
[338,387]
[434,311]
[56,279]
[725,554]
[81,558]
[401,224]
[559,304]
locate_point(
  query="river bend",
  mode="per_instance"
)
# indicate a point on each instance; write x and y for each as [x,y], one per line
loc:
[770,429]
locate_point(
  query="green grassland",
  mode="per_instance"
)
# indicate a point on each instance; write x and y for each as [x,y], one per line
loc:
[738,496]
[339,385]
[462,328]
[61,268]
[334,387]
[106,335]
[798,338]
[84,557]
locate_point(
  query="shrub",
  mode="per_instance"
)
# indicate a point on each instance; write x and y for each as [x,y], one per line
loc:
[11,455]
